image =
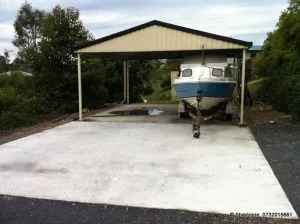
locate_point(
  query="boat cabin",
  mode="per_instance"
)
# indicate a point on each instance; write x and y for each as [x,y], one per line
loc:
[206,72]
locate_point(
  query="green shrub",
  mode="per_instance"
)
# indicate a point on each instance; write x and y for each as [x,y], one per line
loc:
[279,62]
[12,119]
[18,104]
[93,90]
[164,96]
[283,92]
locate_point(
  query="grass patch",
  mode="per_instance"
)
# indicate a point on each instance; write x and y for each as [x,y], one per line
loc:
[160,96]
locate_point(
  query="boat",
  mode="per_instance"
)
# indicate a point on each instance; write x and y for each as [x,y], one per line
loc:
[208,80]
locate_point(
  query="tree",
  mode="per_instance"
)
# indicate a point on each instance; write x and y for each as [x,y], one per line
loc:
[4,61]
[279,61]
[46,42]
[55,67]
[61,31]
[140,74]
[27,31]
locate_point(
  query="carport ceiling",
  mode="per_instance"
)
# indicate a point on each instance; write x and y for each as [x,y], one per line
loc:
[158,39]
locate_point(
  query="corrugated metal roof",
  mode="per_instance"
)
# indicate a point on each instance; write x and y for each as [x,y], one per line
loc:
[157,36]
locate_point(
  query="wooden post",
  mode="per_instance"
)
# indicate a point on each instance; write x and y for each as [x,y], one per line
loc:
[79,86]
[243,88]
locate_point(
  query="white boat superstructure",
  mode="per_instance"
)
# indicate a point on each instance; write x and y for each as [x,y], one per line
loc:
[216,85]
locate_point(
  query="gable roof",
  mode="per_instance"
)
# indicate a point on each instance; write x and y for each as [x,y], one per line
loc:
[166,25]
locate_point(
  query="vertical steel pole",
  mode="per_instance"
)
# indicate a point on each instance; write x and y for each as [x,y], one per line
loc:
[127,71]
[124,80]
[243,87]
[79,86]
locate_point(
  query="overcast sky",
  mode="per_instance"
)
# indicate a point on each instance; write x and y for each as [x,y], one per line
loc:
[247,20]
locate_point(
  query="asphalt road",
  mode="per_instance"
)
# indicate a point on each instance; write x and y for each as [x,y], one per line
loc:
[19,210]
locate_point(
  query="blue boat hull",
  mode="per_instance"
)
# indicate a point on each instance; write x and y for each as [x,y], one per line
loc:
[209,89]
[213,93]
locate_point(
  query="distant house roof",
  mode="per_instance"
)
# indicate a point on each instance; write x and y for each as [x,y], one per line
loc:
[255,48]
[16,72]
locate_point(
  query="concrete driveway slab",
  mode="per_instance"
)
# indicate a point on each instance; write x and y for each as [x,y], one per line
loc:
[144,164]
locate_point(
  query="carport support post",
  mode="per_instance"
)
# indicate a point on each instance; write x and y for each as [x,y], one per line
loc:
[124,81]
[243,88]
[127,85]
[79,86]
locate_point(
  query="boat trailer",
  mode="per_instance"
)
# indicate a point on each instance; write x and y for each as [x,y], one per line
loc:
[198,117]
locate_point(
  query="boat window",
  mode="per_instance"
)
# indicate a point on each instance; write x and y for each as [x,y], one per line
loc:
[186,72]
[217,72]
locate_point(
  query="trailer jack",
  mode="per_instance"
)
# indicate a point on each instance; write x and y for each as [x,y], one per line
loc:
[197,119]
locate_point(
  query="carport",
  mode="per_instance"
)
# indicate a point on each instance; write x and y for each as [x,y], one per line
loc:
[147,161]
[160,40]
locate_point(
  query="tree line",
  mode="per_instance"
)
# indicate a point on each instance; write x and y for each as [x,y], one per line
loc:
[279,62]
[46,42]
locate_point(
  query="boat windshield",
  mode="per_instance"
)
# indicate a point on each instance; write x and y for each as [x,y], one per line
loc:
[217,72]
[186,72]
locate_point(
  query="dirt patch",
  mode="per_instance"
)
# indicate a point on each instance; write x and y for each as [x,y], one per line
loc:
[18,167]
[51,170]
[256,115]
[30,167]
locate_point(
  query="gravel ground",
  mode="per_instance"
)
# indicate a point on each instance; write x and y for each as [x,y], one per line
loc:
[280,144]
[19,210]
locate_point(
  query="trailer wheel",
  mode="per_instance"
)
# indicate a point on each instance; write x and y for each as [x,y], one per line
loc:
[196,135]
[183,115]
[228,117]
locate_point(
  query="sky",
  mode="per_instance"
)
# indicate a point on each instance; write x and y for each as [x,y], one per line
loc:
[248,20]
